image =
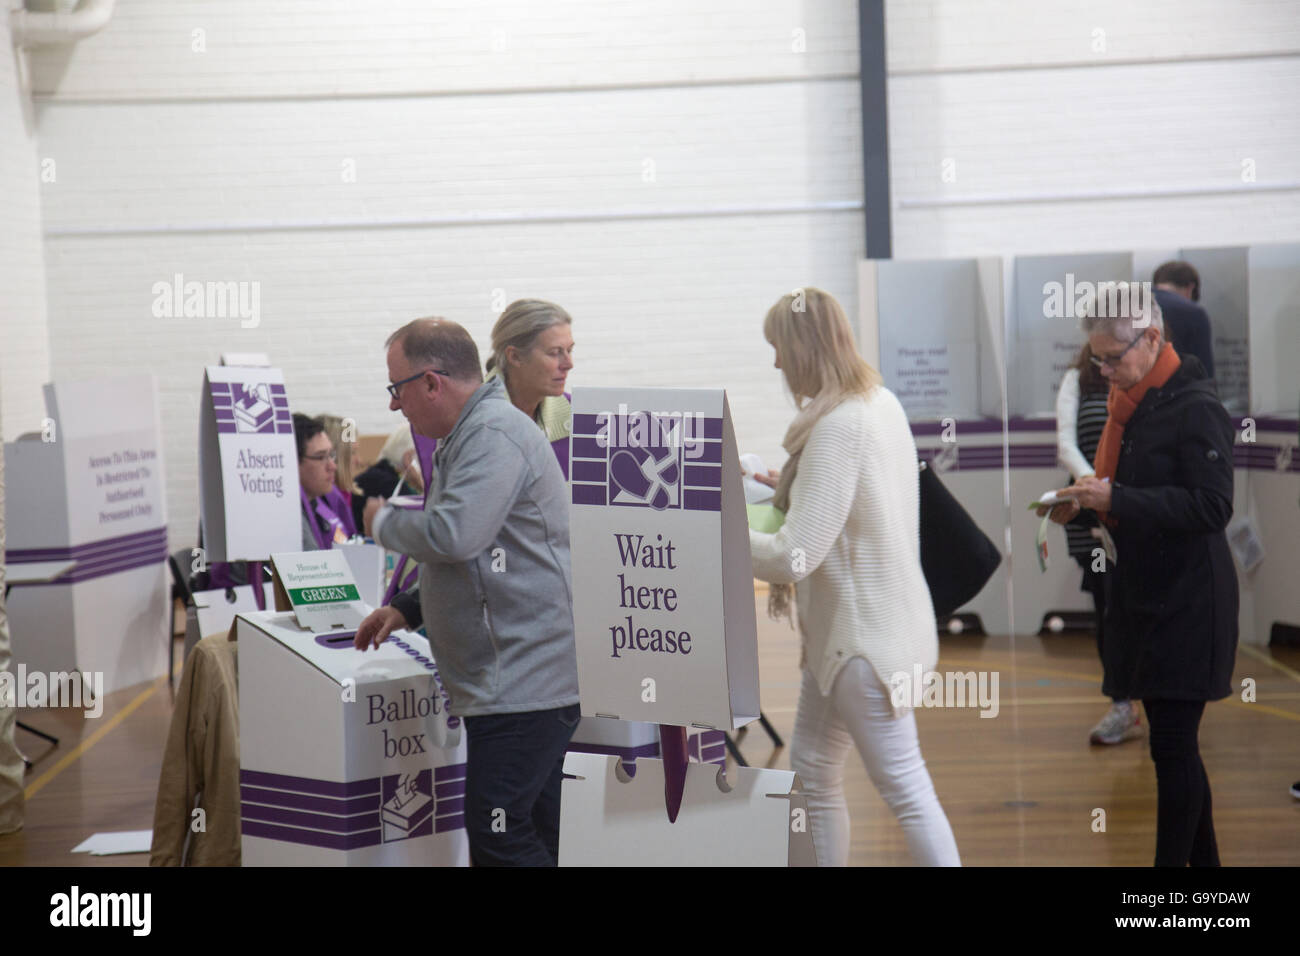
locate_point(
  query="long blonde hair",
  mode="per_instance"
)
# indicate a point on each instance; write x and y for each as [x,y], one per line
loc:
[335,427]
[820,361]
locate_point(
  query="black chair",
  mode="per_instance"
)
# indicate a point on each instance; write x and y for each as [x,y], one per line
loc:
[182,588]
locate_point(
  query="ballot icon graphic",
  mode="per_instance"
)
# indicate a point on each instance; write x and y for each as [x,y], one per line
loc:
[408,805]
[249,408]
[645,476]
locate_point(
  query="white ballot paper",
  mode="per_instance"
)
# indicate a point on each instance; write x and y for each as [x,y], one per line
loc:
[112,844]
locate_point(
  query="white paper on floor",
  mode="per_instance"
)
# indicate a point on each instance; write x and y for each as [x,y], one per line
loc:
[110,844]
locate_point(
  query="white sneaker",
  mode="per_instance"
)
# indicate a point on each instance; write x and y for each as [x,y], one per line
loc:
[1122,722]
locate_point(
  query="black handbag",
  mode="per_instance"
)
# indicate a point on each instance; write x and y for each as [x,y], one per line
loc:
[957,557]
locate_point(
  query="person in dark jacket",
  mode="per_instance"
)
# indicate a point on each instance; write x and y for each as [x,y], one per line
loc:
[1164,488]
[1187,324]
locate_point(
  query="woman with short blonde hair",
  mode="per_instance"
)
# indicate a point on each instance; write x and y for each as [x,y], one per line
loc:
[850,549]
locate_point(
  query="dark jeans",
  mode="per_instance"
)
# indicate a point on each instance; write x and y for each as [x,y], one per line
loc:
[1184,822]
[512,786]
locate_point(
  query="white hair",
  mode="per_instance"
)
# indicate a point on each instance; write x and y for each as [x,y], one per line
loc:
[1122,310]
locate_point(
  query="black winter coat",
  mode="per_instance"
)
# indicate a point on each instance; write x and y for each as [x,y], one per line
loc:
[1171,612]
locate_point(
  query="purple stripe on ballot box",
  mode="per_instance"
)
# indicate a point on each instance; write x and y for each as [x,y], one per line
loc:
[447,824]
[701,500]
[589,494]
[328,841]
[219,387]
[713,428]
[449,788]
[585,425]
[302,801]
[588,471]
[276,389]
[225,428]
[452,771]
[450,806]
[315,821]
[327,788]
[703,476]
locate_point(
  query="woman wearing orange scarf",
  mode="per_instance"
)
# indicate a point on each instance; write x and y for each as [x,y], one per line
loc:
[1164,488]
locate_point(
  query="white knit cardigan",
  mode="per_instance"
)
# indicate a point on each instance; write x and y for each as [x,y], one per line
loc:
[851,541]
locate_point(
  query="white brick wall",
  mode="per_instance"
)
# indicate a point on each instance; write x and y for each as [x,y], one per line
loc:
[24,349]
[540,117]
[1179,98]
[260,48]
[172,161]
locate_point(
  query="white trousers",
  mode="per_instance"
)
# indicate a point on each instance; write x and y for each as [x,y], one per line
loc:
[858,713]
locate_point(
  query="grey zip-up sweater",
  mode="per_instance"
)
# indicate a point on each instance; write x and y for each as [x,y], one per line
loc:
[496,591]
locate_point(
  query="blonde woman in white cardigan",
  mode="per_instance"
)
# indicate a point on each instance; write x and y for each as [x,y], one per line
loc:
[850,546]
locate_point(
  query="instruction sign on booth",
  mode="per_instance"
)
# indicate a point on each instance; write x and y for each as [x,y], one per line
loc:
[248,465]
[663,588]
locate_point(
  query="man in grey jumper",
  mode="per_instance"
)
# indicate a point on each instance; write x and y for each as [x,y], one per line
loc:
[495,588]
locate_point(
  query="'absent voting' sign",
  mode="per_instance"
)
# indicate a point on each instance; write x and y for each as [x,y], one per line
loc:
[248,465]
[663,586]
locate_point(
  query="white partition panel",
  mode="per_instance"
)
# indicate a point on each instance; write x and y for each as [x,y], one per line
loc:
[1224,296]
[1043,325]
[1274,284]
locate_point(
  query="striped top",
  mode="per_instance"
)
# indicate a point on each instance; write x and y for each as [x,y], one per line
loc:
[851,544]
[1080,420]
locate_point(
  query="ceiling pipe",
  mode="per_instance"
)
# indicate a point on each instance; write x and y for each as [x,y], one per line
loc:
[33,29]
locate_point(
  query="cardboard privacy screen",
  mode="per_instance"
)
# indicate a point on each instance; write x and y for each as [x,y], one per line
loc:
[248,465]
[610,819]
[663,600]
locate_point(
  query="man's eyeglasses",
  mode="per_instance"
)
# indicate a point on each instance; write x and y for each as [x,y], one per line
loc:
[323,456]
[1113,360]
[396,387]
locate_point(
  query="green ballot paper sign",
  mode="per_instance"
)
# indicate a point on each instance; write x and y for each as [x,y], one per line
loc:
[319,587]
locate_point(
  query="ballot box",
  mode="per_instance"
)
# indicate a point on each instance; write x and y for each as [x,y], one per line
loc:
[347,758]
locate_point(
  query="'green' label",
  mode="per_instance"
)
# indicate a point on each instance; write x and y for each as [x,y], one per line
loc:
[324,595]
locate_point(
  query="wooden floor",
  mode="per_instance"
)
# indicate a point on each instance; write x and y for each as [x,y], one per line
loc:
[1019,789]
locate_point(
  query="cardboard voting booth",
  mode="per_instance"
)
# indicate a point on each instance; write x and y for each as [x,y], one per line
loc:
[346,757]
[248,465]
[755,820]
[932,327]
[663,600]
[629,740]
[88,492]
[664,619]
